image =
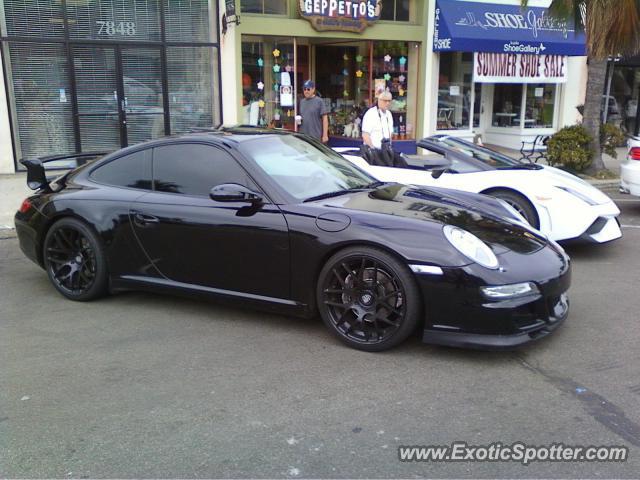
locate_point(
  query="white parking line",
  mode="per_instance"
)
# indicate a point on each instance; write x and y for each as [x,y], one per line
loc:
[626,200]
[630,226]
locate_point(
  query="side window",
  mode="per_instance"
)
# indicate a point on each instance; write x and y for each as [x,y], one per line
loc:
[194,169]
[132,171]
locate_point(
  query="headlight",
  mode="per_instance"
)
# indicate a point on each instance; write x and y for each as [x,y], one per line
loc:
[470,246]
[575,193]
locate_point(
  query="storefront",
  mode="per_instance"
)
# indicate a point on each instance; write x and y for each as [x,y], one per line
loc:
[350,54]
[622,92]
[505,73]
[103,74]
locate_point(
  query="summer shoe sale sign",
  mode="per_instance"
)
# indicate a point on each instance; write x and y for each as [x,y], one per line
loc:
[519,68]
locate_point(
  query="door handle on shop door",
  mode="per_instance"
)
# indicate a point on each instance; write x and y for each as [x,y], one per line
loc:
[143,219]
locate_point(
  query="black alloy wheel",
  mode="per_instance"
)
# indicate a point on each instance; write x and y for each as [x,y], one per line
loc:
[520,203]
[368,298]
[74,260]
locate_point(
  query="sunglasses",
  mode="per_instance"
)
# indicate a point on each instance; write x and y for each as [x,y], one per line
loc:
[307,89]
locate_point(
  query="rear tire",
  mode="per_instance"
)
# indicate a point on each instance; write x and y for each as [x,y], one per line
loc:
[520,203]
[368,299]
[75,261]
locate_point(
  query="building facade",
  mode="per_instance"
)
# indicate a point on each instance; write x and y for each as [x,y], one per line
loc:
[622,93]
[97,75]
[101,74]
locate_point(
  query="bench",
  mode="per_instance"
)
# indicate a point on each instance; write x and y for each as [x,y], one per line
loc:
[534,150]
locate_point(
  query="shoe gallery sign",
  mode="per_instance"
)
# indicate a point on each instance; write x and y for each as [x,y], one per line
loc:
[341,15]
[519,68]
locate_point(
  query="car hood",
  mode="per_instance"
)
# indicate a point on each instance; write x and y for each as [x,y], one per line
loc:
[560,178]
[446,207]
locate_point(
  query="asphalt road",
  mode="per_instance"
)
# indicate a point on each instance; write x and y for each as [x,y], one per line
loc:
[140,385]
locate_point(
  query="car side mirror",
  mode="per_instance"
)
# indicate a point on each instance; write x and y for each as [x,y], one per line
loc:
[233,192]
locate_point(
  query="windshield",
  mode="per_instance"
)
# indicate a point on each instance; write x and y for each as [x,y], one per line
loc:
[486,156]
[302,168]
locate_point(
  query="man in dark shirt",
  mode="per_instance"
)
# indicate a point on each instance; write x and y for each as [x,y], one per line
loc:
[313,113]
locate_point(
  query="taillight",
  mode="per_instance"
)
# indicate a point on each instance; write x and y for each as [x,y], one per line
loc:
[26,206]
[634,153]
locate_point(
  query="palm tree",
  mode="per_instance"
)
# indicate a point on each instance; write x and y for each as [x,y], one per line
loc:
[612,27]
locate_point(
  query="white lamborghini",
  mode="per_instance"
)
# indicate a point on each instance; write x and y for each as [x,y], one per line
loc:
[557,203]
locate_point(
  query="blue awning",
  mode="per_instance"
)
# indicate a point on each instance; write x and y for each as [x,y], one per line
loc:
[490,27]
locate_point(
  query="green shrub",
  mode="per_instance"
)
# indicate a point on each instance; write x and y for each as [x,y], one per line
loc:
[611,137]
[570,147]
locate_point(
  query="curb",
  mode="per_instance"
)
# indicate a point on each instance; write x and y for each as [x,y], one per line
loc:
[605,184]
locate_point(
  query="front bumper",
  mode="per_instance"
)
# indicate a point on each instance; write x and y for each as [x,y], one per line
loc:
[457,314]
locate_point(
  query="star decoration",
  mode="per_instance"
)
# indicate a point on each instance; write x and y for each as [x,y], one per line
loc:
[260,86]
[387,58]
[345,72]
[387,77]
[276,87]
[261,103]
[276,53]
[345,94]
[260,62]
[402,60]
[276,68]
[358,58]
[288,68]
[401,92]
[345,57]
[401,78]
[359,73]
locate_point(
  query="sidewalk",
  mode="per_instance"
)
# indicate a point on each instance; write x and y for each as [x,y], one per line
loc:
[13,188]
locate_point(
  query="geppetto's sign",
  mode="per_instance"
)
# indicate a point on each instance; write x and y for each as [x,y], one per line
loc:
[519,68]
[341,15]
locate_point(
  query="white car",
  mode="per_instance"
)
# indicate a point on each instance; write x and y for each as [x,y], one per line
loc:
[559,204]
[630,169]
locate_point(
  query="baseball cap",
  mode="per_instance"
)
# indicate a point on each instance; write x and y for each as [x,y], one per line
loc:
[309,84]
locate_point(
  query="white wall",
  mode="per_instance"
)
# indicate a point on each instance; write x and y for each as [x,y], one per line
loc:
[6,152]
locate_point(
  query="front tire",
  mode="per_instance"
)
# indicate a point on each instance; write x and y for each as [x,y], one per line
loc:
[75,261]
[520,203]
[368,299]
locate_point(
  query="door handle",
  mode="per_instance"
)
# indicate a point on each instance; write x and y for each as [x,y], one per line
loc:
[143,219]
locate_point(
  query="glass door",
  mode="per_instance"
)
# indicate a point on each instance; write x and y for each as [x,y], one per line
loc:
[97,89]
[143,94]
[120,95]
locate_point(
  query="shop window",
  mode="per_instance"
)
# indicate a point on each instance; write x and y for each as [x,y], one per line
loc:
[188,21]
[347,76]
[507,105]
[193,89]
[622,103]
[269,7]
[455,92]
[395,10]
[267,82]
[40,95]
[36,18]
[539,106]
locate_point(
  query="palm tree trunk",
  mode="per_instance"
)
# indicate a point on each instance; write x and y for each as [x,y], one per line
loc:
[592,118]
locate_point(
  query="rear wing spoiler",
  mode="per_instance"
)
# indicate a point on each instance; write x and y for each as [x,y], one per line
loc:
[36,176]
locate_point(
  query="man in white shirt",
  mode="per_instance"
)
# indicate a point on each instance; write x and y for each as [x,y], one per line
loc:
[377,123]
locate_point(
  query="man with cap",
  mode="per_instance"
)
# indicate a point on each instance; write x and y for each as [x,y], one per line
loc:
[313,113]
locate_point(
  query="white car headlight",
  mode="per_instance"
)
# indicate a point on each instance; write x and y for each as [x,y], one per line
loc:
[575,193]
[470,246]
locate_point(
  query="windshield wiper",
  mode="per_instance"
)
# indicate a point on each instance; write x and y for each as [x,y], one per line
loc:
[337,193]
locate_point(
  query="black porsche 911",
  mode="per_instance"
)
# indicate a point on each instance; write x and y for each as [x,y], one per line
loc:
[278,220]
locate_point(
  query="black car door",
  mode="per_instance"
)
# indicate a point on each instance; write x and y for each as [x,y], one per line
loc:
[194,240]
